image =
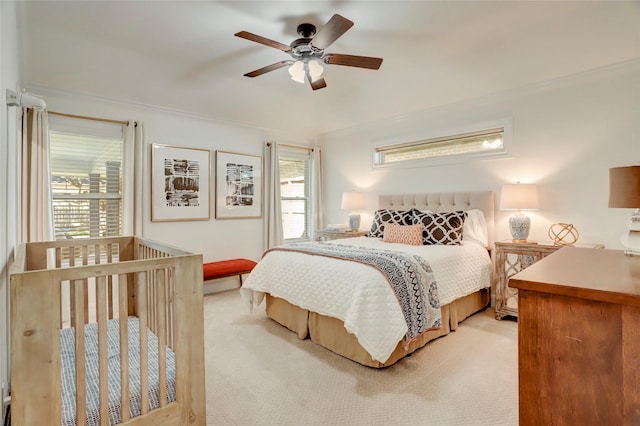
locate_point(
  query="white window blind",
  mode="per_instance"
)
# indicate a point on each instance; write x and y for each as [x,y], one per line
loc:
[294,193]
[86,177]
[487,142]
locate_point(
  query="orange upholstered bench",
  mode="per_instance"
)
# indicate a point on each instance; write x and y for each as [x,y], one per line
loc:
[227,268]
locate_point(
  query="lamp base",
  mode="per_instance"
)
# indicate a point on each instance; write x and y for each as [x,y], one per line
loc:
[354,221]
[631,243]
[519,225]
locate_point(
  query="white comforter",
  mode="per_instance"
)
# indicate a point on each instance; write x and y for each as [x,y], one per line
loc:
[359,294]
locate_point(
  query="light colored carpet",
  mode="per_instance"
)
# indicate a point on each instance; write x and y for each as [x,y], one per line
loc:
[259,373]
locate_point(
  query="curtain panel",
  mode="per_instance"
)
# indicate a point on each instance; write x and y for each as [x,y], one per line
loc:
[317,217]
[133,148]
[36,209]
[273,231]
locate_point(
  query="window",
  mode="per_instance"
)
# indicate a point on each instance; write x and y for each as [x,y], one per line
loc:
[488,142]
[86,177]
[294,193]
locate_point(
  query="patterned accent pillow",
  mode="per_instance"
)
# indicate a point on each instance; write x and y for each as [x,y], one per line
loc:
[441,228]
[403,234]
[383,216]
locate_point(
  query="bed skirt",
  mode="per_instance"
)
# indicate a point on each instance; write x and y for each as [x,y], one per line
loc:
[330,333]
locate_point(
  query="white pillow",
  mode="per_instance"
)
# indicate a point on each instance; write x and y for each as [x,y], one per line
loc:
[475,228]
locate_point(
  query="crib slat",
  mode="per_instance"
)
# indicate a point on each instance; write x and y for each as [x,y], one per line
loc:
[169,307]
[85,261]
[144,348]
[153,297]
[81,380]
[103,356]
[124,348]
[109,248]
[72,293]
[161,333]
[58,265]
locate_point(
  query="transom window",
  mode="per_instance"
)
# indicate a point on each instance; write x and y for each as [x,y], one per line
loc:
[477,143]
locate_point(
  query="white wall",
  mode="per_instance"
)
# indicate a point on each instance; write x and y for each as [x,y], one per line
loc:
[9,72]
[567,134]
[215,239]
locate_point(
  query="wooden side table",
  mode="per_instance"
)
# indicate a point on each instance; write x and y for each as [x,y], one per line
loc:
[334,235]
[511,258]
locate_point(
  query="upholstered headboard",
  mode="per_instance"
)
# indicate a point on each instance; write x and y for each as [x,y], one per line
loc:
[441,202]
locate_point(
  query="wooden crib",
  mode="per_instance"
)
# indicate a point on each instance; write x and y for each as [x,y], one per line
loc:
[69,296]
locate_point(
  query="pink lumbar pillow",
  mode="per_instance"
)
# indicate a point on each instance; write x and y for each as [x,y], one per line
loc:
[403,234]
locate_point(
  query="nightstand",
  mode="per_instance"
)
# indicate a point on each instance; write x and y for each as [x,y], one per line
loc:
[511,258]
[334,235]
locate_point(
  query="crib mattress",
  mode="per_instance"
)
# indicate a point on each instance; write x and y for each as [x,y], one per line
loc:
[67,347]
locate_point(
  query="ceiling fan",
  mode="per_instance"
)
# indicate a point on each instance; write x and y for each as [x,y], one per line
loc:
[307,52]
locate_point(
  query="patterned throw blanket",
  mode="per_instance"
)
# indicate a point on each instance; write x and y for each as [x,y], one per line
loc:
[410,277]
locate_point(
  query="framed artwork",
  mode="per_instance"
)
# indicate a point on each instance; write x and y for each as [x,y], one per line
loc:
[180,183]
[238,185]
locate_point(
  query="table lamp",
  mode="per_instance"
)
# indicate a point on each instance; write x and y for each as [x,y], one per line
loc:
[624,192]
[353,201]
[519,196]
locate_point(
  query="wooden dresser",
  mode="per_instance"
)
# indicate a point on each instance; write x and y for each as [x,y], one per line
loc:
[579,339]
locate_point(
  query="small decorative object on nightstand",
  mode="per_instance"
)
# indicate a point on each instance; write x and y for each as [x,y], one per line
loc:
[335,235]
[563,234]
[511,258]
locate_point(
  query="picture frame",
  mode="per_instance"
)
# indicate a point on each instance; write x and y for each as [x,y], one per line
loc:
[180,183]
[238,185]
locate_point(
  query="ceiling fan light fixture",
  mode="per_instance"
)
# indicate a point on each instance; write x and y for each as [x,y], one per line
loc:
[297,71]
[315,69]
[308,52]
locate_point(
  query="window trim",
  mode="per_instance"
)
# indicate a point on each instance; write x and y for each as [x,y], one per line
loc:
[452,134]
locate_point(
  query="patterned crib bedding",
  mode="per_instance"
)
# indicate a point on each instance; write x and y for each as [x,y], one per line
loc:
[67,344]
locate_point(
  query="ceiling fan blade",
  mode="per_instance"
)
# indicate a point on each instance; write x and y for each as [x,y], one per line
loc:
[352,61]
[318,84]
[331,31]
[263,40]
[268,68]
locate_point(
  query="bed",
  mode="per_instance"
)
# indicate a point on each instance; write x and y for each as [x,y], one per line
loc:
[106,331]
[348,307]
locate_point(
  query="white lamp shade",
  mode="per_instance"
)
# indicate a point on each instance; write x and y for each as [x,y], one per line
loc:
[352,200]
[519,196]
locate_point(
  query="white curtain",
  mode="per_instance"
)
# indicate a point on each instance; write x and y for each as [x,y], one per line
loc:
[316,191]
[36,209]
[273,231]
[132,179]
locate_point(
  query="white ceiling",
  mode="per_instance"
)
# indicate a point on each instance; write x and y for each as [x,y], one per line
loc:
[182,54]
